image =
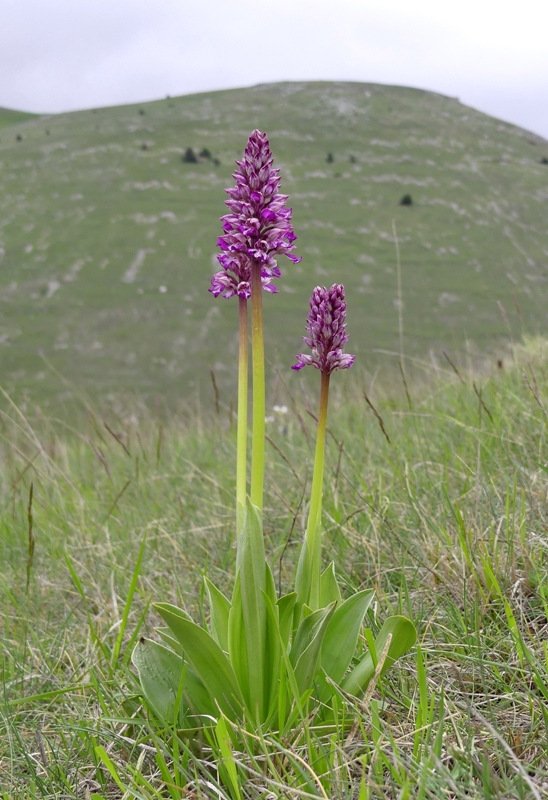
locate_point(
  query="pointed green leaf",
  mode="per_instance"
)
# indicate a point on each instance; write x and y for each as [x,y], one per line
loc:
[288,691]
[252,571]
[206,659]
[329,588]
[270,585]
[341,636]
[220,608]
[169,639]
[272,646]
[404,636]
[236,639]
[303,579]
[160,672]
[286,604]
[307,645]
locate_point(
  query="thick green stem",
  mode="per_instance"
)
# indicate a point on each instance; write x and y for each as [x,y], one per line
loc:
[241,447]
[307,581]
[257,357]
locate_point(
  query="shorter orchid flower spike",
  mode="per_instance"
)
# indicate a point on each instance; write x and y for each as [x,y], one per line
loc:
[326,328]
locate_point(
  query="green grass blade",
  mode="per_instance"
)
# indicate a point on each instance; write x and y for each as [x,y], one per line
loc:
[123,624]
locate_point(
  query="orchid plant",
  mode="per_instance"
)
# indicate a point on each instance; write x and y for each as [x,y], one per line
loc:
[266,662]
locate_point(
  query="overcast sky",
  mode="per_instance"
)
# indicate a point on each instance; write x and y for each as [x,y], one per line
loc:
[62,55]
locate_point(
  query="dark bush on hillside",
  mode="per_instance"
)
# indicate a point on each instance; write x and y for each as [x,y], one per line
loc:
[352,159]
[330,158]
[189,156]
[216,162]
[204,153]
[406,200]
[142,112]
[144,146]
[19,137]
[544,160]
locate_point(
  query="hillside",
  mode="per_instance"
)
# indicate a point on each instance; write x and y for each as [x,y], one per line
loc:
[107,238]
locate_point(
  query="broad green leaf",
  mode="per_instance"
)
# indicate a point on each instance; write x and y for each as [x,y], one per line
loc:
[286,604]
[289,690]
[270,586]
[252,571]
[168,638]
[206,659]
[329,588]
[236,639]
[403,635]
[272,647]
[180,612]
[307,645]
[303,579]
[341,636]
[160,672]
[220,608]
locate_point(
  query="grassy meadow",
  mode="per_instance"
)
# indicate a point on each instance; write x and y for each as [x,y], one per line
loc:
[436,491]
[107,238]
[117,435]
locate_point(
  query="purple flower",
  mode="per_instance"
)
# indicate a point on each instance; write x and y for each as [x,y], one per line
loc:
[237,282]
[258,227]
[326,328]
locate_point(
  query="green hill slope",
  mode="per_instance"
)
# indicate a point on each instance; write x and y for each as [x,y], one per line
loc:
[107,238]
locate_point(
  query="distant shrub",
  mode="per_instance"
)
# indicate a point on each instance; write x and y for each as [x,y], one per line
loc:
[216,162]
[406,200]
[142,112]
[144,146]
[204,153]
[544,160]
[330,158]
[19,137]
[189,156]
[352,159]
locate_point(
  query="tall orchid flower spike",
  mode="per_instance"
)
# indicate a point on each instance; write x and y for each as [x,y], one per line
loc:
[259,226]
[326,328]
[257,229]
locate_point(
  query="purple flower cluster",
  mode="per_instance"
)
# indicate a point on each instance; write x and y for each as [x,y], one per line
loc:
[258,227]
[326,327]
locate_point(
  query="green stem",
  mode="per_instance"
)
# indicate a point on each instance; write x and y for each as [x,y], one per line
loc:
[310,562]
[257,356]
[241,436]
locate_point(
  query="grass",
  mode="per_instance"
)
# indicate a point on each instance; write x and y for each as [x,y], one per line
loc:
[107,239]
[435,496]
